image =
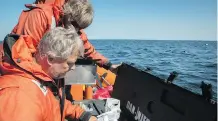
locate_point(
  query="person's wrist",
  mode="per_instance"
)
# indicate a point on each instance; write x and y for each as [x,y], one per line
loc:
[85,116]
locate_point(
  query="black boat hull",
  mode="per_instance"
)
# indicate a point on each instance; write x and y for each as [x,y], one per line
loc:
[145,97]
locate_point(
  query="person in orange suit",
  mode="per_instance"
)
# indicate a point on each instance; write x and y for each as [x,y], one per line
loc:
[46,14]
[28,91]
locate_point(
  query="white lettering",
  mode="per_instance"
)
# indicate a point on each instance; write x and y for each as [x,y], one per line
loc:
[130,107]
[139,116]
[127,105]
[133,109]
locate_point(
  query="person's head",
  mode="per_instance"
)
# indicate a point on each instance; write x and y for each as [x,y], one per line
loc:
[58,51]
[78,13]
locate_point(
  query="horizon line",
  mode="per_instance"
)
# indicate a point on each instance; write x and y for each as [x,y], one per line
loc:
[155,39]
[149,39]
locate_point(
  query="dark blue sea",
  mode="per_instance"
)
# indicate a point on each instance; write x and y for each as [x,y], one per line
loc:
[195,61]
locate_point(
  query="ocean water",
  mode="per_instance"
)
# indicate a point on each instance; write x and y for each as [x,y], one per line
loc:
[195,61]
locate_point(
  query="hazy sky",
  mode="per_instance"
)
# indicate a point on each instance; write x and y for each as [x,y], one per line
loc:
[137,19]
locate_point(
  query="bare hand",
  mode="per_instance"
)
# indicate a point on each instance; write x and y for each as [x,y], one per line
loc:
[92,118]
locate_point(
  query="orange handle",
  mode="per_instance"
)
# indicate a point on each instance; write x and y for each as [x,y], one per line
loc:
[88,92]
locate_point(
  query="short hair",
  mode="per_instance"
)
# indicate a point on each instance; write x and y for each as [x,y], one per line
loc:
[61,43]
[81,12]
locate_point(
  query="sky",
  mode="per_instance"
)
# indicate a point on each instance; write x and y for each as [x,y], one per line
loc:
[137,19]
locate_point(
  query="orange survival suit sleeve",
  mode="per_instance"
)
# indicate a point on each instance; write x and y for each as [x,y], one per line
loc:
[91,53]
[33,23]
[15,105]
[76,112]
